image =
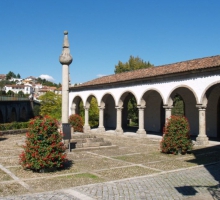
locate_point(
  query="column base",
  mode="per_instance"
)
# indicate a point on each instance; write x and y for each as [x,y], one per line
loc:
[141,132]
[119,131]
[202,140]
[101,130]
[86,129]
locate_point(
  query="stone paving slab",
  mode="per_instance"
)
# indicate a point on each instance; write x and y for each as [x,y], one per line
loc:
[191,184]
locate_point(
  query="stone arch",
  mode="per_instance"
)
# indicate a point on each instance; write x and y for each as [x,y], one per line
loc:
[203,99]
[190,102]
[13,115]
[75,107]
[154,114]
[211,100]
[23,114]
[93,119]
[169,100]
[123,103]
[1,117]
[88,100]
[108,103]
[123,96]
[142,102]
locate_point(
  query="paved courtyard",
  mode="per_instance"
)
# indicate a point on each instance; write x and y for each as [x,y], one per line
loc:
[135,169]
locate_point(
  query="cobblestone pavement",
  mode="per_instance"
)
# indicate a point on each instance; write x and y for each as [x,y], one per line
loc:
[202,182]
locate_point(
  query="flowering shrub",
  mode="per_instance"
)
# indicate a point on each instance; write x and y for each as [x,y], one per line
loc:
[176,136]
[44,148]
[76,122]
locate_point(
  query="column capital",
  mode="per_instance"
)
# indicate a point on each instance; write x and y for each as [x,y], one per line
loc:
[101,107]
[141,107]
[200,107]
[86,108]
[119,108]
[167,107]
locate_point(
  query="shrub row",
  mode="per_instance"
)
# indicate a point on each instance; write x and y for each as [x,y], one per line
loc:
[13,126]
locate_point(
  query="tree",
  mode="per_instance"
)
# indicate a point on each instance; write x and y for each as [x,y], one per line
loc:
[18,76]
[93,112]
[51,104]
[133,63]
[10,75]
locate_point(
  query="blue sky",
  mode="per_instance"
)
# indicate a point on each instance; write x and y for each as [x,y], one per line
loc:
[102,32]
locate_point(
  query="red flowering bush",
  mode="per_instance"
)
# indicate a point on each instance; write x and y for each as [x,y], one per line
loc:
[76,122]
[176,136]
[44,148]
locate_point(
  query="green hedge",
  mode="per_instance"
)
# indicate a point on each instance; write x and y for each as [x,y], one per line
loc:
[13,126]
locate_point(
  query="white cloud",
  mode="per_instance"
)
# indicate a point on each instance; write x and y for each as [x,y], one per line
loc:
[47,77]
[100,75]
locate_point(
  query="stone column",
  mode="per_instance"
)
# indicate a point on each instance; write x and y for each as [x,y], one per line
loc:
[141,129]
[202,138]
[65,60]
[73,109]
[101,128]
[168,112]
[119,129]
[86,127]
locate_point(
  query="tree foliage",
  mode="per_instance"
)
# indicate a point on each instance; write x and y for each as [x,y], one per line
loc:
[51,105]
[176,136]
[93,112]
[133,110]
[43,149]
[10,75]
[133,63]
[178,106]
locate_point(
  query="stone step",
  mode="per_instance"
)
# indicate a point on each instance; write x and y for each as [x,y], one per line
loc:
[91,144]
[91,140]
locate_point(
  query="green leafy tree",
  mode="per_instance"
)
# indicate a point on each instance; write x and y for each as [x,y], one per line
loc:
[20,94]
[10,75]
[93,112]
[18,76]
[178,106]
[36,110]
[133,63]
[51,104]
[10,93]
[133,110]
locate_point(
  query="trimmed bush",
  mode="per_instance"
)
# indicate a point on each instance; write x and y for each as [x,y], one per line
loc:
[176,136]
[76,122]
[13,126]
[44,148]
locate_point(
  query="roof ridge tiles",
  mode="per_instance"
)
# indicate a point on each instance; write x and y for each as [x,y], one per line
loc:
[178,67]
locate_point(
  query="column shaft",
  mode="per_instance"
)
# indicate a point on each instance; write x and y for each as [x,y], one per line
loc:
[101,127]
[141,129]
[202,138]
[119,128]
[86,127]
[65,94]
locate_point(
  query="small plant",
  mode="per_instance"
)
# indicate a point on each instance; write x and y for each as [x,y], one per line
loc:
[44,149]
[176,136]
[76,122]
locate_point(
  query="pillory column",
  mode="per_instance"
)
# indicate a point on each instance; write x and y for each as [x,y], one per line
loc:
[65,60]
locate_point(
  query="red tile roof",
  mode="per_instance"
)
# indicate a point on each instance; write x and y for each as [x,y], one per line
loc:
[180,67]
